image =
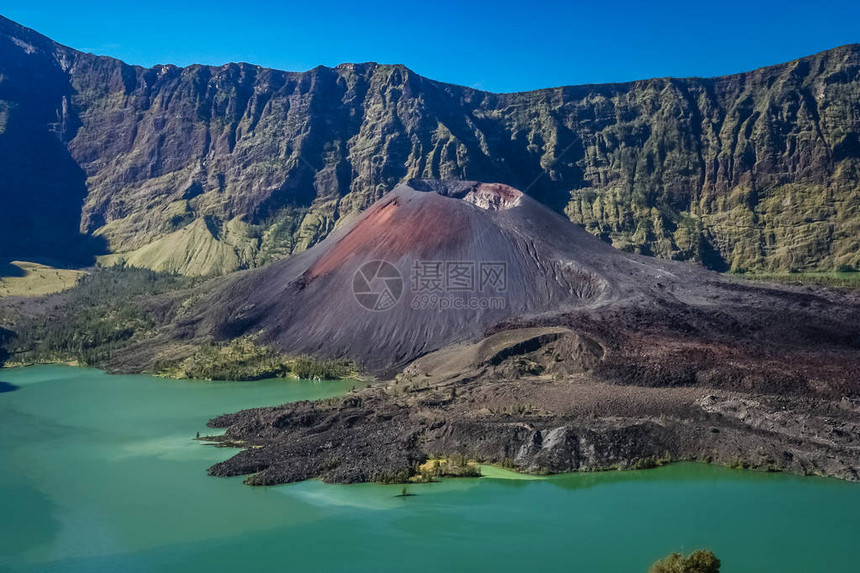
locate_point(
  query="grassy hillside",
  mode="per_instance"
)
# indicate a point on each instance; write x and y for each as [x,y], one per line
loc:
[22,278]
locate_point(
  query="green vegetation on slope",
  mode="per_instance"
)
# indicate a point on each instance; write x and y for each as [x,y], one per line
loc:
[198,249]
[244,359]
[103,312]
[847,279]
[115,306]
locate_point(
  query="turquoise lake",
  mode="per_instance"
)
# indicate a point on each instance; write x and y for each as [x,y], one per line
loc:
[101,473]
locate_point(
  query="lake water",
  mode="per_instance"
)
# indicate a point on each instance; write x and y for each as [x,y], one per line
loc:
[101,473]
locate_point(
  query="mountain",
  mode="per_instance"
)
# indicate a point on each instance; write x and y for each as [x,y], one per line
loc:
[441,242]
[208,169]
[488,327]
[405,279]
[594,358]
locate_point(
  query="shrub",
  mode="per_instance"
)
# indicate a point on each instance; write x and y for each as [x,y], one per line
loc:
[392,476]
[700,561]
[313,368]
[456,465]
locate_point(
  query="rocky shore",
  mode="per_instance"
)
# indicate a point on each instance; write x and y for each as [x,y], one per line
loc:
[377,435]
[548,399]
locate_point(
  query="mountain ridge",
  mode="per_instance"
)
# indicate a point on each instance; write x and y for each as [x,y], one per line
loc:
[9,23]
[749,171]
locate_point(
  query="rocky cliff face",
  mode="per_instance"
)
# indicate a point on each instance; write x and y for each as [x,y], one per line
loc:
[208,169]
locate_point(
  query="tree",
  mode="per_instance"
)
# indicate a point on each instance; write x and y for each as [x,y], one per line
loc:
[699,561]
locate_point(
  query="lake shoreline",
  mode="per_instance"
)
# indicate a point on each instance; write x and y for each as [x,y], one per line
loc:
[390,468]
[85,452]
[379,435]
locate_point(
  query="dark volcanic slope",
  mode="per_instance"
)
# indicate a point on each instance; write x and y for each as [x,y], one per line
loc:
[236,165]
[306,303]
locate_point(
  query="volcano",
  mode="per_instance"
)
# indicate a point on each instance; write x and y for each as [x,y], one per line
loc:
[499,331]
[431,264]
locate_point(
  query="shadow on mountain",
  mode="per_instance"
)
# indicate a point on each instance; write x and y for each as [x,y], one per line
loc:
[5,336]
[7,269]
[7,387]
[43,187]
[42,198]
[712,259]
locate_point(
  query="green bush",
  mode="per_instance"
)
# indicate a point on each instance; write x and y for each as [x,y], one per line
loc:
[700,561]
[455,465]
[313,368]
[392,476]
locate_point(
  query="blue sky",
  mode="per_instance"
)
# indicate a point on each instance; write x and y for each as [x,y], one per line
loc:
[498,46]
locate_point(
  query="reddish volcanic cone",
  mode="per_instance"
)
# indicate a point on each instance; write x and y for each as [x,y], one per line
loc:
[432,263]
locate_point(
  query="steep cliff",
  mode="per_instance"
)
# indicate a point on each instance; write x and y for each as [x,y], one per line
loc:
[207,169]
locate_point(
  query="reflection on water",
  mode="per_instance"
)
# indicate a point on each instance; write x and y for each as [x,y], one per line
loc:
[101,473]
